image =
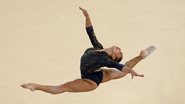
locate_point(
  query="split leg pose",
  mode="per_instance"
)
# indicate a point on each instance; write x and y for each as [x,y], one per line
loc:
[91,65]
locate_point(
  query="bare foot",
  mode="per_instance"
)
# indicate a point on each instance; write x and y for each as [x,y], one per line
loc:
[30,86]
[147,51]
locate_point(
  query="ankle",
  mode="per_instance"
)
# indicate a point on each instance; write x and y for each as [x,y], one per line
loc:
[140,57]
[37,87]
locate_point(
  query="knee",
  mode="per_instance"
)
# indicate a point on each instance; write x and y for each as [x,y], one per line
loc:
[127,64]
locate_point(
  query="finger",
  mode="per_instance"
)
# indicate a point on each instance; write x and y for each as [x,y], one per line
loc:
[81,8]
[142,75]
[84,10]
[132,76]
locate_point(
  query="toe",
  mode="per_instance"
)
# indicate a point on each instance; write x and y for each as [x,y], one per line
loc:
[23,86]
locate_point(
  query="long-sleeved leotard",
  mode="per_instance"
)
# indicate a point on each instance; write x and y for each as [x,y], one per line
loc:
[92,60]
[96,44]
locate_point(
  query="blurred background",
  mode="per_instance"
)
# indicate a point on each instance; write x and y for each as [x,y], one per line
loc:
[42,41]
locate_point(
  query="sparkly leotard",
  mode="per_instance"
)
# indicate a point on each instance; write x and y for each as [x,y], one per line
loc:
[92,60]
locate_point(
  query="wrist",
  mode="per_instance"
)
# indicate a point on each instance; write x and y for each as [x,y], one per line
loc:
[87,17]
[126,69]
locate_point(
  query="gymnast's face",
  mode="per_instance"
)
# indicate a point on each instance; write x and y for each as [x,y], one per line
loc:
[117,54]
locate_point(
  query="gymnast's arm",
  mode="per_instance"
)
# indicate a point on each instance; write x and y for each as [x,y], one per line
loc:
[90,30]
[124,68]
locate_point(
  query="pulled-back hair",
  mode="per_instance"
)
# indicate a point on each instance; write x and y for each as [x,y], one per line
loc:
[120,58]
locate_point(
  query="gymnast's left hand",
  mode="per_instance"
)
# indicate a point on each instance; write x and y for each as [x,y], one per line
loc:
[133,73]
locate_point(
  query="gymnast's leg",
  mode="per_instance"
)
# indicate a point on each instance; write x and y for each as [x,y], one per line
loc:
[78,85]
[110,74]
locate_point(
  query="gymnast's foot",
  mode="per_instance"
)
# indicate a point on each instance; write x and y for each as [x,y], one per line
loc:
[146,52]
[30,86]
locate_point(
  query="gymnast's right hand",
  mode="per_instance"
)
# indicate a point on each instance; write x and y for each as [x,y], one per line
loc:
[84,12]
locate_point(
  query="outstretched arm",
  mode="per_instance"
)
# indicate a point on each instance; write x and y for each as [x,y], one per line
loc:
[123,70]
[87,17]
[131,63]
[127,68]
[90,30]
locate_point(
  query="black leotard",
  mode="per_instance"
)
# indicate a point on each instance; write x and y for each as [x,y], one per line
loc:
[92,60]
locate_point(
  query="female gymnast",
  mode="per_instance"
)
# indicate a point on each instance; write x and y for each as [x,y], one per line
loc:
[91,65]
